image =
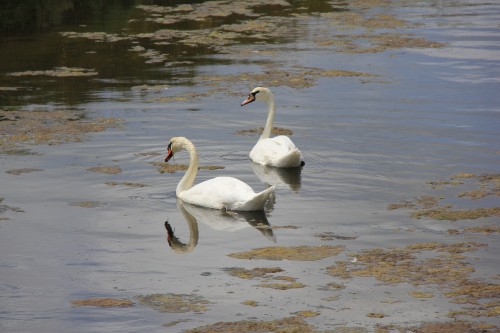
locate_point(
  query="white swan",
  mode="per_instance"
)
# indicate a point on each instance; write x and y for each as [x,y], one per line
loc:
[278,151]
[221,192]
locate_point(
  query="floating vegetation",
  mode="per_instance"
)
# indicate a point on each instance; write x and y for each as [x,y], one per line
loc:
[447,213]
[104,302]
[250,302]
[18,172]
[430,207]
[150,88]
[298,253]
[174,303]
[95,36]
[487,229]
[370,40]
[420,294]
[376,315]
[289,283]
[441,327]
[260,272]
[58,72]
[5,208]
[112,170]
[258,131]
[427,264]
[289,324]
[306,313]
[334,286]
[87,204]
[173,168]
[297,77]
[127,184]
[268,277]
[329,236]
[48,127]
[471,291]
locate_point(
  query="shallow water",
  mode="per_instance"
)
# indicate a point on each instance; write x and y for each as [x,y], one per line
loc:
[424,114]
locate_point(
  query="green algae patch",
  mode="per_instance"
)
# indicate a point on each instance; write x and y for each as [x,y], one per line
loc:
[474,194]
[446,213]
[259,272]
[258,131]
[430,207]
[425,264]
[163,167]
[293,324]
[111,170]
[334,286]
[20,128]
[376,315]
[87,204]
[487,229]
[297,253]
[268,277]
[126,184]
[250,302]
[58,72]
[306,313]
[286,284]
[402,264]
[330,236]
[174,303]
[441,327]
[95,36]
[420,294]
[470,291]
[18,172]
[104,302]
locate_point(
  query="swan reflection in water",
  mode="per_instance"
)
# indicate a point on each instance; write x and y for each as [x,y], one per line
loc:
[275,176]
[217,220]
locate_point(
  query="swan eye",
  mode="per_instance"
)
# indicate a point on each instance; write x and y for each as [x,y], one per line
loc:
[255,92]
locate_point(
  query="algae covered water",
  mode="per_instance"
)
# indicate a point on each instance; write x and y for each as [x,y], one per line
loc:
[391,225]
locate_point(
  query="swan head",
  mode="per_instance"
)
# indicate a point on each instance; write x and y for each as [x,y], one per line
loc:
[258,94]
[175,145]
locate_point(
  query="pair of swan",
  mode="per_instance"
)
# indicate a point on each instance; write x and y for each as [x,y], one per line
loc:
[229,193]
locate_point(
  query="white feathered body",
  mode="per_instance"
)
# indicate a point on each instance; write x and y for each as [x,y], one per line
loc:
[225,193]
[278,151]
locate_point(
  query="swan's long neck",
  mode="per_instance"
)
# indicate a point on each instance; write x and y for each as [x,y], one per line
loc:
[270,118]
[187,181]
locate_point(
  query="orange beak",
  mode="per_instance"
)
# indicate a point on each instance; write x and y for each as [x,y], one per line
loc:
[250,99]
[170,154]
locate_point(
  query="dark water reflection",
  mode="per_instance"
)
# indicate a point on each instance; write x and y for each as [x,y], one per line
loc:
[278,176]
[124,42]
[224,221]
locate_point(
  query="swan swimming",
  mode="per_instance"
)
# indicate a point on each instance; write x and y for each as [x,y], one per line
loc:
[278,151]
[226,193]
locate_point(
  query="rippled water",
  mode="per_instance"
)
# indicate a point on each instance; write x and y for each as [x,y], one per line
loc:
[426,114]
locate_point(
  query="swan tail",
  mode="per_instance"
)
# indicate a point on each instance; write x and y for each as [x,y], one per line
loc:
[291,160]
[258,201]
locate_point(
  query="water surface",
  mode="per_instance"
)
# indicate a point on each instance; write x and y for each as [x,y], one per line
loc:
[419,104]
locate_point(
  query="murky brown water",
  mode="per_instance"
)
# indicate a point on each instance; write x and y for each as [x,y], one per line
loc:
[392,225]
